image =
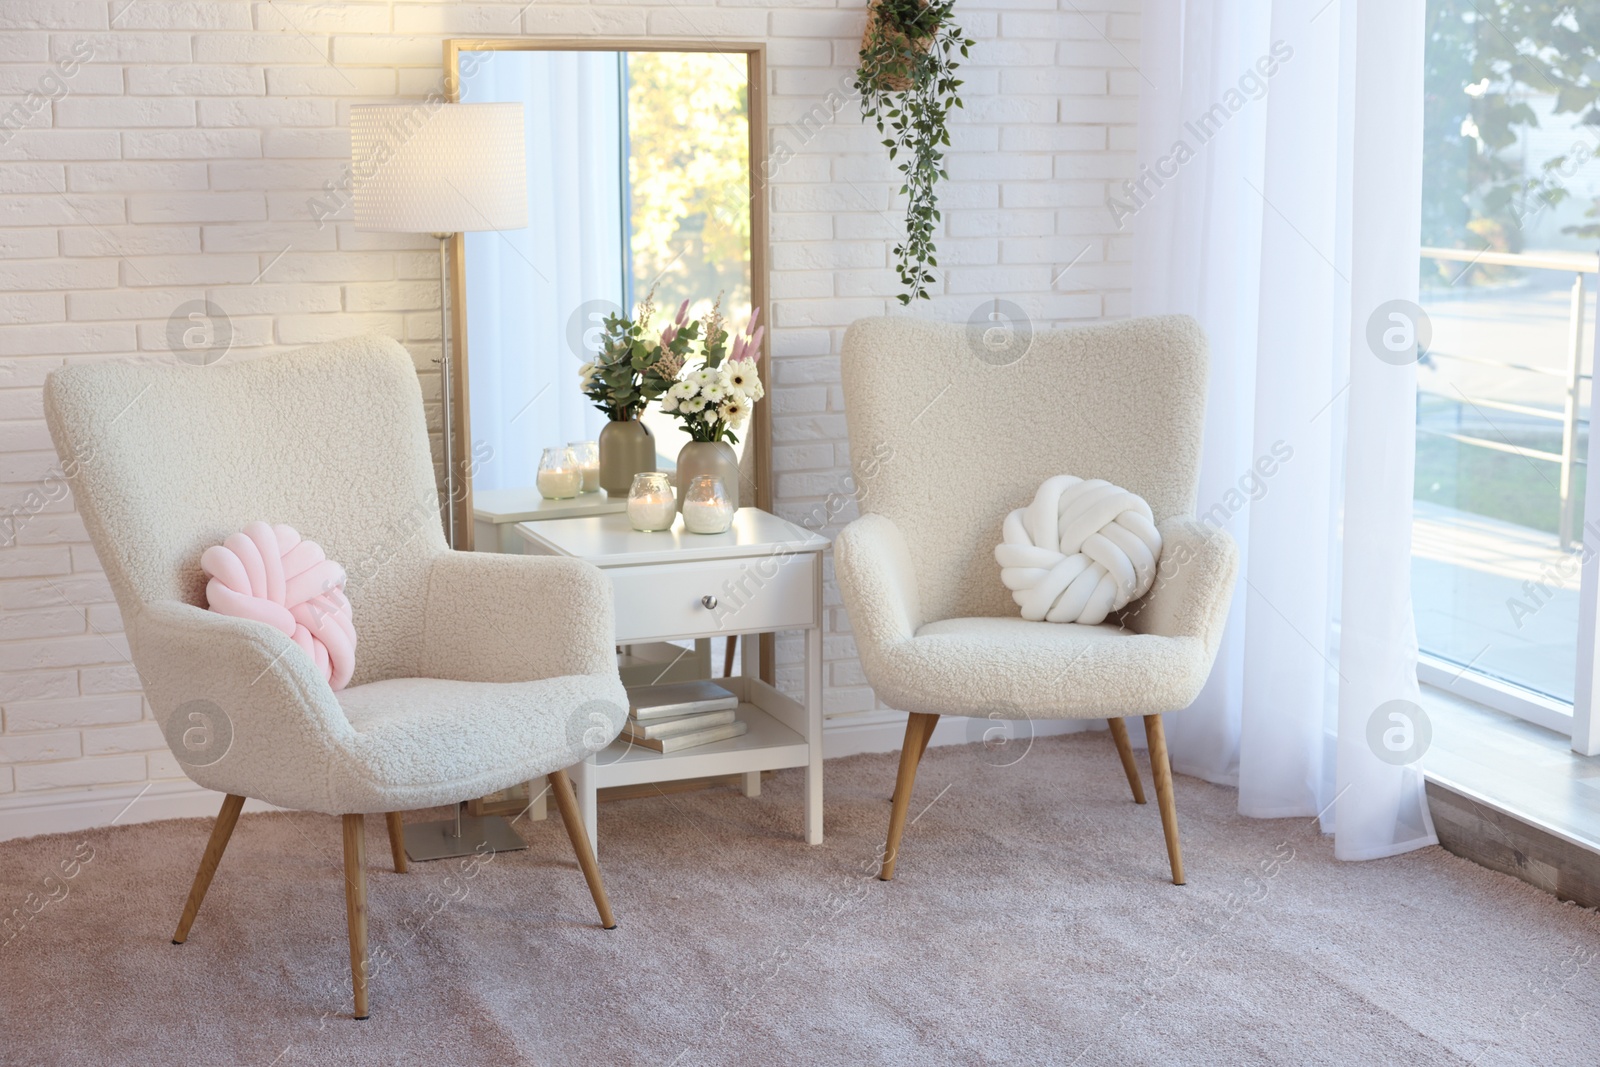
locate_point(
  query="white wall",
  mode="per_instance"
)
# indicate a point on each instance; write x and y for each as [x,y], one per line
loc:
[179,162]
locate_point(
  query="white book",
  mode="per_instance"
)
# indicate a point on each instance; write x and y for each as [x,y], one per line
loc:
[692,740]
[676,699]
[686,725]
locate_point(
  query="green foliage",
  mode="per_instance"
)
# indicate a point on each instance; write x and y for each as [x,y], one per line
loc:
[632,368]
[907,83]
[689,175]
[1503,51]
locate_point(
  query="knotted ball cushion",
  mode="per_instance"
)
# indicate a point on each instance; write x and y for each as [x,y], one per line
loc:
[271,574]
[1080,551]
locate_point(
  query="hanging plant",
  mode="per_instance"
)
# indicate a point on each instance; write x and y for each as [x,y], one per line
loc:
[907,82]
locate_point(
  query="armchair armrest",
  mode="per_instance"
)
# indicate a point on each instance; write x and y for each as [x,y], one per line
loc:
[254,717]
[506,618]
[1193,586]
[877,582]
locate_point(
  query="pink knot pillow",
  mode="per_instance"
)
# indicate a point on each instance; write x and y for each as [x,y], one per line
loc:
[271,575]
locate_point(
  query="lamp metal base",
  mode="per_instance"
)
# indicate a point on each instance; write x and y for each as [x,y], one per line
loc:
[440,840]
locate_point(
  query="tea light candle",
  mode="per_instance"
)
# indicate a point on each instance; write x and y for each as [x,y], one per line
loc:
[651,505]
[707,516]
[588,455]
[706,507]
[559,483]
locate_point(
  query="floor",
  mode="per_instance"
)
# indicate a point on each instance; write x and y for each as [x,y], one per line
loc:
[1031,921]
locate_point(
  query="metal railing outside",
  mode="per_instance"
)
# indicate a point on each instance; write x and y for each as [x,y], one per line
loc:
[1578,264]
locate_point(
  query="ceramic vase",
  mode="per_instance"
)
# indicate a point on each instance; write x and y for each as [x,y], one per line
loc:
[626,448]
[715,458]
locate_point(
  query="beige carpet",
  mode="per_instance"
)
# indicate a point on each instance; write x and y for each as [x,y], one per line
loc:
[1031,922]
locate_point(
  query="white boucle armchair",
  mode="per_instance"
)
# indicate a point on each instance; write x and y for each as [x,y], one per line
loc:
[473,672]
[947,436]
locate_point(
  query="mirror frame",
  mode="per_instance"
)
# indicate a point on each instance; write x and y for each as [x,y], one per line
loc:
[755,53]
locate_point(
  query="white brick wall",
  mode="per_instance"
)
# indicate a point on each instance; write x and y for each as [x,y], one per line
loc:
[177,164]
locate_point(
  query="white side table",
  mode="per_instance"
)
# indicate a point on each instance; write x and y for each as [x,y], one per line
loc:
[495,513]
[763,574]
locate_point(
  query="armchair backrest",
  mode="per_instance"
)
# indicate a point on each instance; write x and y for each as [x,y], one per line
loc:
[947,436]
[167,460]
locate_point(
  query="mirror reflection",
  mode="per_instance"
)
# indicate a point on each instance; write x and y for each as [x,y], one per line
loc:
[638,183]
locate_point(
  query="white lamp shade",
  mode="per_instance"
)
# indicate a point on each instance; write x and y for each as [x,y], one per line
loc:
[443,168]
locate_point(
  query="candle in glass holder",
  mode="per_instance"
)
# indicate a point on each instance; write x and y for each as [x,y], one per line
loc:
[706,507]
[559,477]
[588,453]
[651,505]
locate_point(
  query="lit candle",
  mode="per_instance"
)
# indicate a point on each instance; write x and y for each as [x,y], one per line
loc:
[559,483]
[651,505]
[706,507]
[707,516]
[588,454]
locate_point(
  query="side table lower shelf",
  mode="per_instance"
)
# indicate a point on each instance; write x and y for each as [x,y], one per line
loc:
[781,734]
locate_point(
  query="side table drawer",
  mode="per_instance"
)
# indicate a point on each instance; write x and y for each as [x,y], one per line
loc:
[755,594]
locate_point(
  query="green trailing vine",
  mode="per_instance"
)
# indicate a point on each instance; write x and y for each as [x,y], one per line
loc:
[907,83]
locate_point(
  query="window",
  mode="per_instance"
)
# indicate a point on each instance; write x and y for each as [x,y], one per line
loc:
[1511,225]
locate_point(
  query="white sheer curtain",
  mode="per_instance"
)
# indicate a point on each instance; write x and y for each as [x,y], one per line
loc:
[1281,207]
[533,294]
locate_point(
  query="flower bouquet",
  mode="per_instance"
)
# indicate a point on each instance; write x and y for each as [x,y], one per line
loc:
[632,368]
[714,399]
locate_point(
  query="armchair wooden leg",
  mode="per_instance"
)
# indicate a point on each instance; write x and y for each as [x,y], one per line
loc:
[397,841]
[1161,771]
[221,831]
[927,735]
[355,904]
[919,728]
[567,801]
[1119,734]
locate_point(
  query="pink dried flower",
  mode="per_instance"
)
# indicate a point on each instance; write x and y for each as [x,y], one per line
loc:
[748,347]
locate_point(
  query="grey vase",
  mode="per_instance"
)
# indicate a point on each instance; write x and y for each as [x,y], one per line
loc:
[715,458]
[626,449]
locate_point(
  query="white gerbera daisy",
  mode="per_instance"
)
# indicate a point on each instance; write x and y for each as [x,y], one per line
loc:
[732,412]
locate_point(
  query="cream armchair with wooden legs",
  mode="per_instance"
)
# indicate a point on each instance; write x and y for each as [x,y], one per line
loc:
[473,672]
[947,436]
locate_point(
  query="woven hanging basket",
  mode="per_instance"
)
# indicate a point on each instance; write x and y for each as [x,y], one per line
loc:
[895,77]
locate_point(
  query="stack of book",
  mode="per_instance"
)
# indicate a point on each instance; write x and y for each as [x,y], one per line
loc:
[671,718]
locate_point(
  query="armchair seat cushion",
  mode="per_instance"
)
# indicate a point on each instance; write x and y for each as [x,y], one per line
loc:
[1012,668]
[424,741]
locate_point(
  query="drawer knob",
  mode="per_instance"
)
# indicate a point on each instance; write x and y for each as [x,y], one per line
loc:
[709,601]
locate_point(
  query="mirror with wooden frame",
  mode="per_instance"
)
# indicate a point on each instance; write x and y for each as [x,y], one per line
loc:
[640,180]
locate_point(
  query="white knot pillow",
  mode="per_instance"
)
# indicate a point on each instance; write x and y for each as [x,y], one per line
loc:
[1080,551]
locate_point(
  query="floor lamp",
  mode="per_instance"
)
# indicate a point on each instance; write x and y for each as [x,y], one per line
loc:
[442,169]
[439,169]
